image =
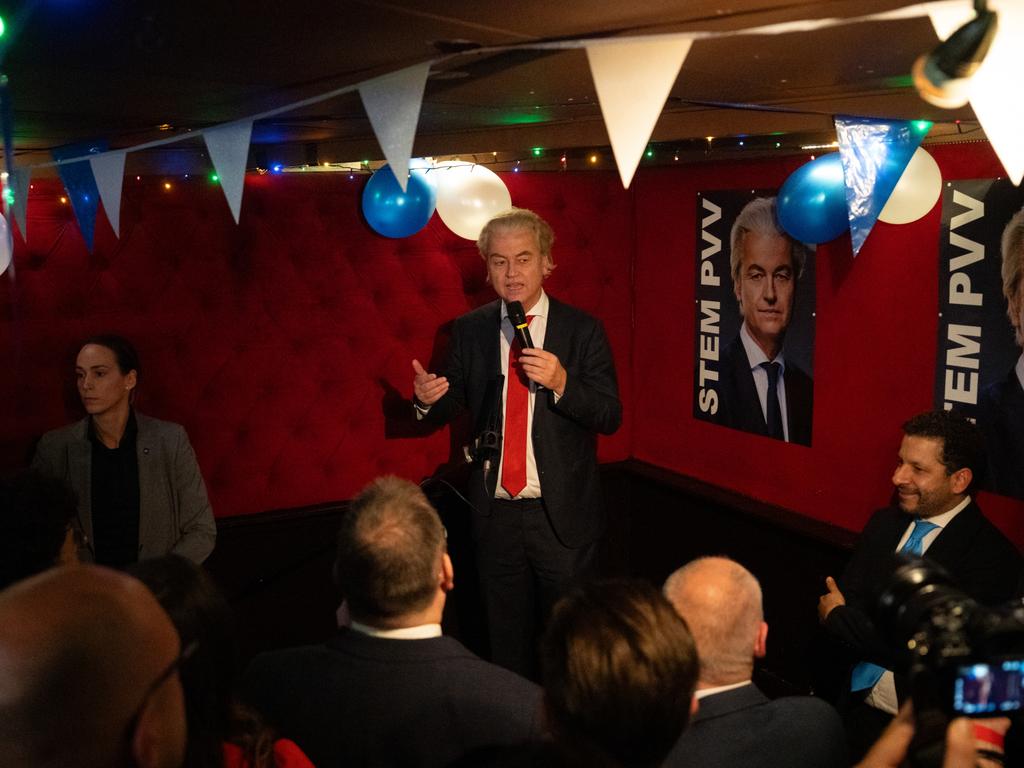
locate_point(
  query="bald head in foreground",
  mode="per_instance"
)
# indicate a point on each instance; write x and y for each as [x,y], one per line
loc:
[736,724]
[88,674]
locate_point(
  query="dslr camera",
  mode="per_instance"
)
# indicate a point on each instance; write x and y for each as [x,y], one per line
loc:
[962,658]
[965,658]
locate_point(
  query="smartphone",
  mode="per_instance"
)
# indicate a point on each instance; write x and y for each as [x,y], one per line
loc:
[994,688]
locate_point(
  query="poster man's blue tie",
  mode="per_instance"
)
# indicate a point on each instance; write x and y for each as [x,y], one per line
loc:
[866,674]
[774,418]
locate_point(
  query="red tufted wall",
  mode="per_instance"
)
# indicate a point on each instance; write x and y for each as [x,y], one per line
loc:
[874,351]
[283,344]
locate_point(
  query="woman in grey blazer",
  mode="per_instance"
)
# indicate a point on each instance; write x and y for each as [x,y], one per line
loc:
[140,491]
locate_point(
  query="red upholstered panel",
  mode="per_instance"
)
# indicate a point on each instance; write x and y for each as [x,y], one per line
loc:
[874,351]
[283,344]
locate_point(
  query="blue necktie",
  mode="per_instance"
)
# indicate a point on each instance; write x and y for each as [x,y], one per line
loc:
[773,410]
[866,674]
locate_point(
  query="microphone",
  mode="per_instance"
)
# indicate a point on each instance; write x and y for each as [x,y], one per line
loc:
[520,324]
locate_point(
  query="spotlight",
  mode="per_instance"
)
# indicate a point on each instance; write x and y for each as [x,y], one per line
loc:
[942,77]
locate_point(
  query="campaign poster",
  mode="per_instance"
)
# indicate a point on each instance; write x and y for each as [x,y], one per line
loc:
[979,368]
[759,381]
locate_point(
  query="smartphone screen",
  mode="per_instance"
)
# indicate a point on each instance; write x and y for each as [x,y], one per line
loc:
[983,689]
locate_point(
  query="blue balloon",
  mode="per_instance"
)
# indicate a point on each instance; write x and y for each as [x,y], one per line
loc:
[812,203]
[394,213]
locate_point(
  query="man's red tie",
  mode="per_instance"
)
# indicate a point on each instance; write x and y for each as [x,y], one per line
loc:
[513,459]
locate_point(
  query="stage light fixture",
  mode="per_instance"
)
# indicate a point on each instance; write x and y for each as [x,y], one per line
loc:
[942,76]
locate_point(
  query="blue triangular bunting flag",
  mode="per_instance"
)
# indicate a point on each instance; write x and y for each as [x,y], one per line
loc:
[81,185]
[19,182]
[874,154]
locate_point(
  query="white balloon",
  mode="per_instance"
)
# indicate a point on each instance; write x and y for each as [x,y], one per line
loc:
[5,245]
[916,191]
[468,196]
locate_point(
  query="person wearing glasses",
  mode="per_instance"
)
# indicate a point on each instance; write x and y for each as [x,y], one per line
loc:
[222,731]
[140,491]
[89,674]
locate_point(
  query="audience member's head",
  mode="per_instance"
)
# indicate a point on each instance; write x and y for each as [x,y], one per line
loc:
[721,602]
[620,668]
[202,616]
[37,525]
[88,674]
[392,563]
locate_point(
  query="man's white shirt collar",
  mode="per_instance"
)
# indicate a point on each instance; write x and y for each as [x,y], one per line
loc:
[946,517]
[702,692]
[419,632]
[540,309]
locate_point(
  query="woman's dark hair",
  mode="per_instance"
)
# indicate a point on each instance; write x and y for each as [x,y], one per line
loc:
[124,351]
[200,613]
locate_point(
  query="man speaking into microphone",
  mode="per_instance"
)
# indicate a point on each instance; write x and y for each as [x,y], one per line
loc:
[546,388]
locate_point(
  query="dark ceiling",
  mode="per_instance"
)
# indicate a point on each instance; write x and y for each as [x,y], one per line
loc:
[130,71]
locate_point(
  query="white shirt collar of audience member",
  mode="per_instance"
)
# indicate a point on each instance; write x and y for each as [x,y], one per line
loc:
[420,632]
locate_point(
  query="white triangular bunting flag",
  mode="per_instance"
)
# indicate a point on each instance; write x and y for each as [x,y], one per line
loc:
[19,182]
[392,103]
[999,113]
[633,80]
[229,152]
[108,170]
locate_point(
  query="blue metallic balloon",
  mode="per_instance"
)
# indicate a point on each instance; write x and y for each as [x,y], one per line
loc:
[812,203]
[394,213]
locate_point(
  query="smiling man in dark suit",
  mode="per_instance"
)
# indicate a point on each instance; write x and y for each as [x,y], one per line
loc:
[939,459]
[761,391]
[537,512]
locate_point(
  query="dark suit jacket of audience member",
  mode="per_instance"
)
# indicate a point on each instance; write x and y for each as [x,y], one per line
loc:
[1001,418]
[745,729]
[985,564]
[365,701]
[740,408]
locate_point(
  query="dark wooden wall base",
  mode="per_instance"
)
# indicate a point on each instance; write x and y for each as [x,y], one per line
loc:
[276,567]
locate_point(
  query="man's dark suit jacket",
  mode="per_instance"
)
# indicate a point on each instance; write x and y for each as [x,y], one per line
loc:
[564,440]
[1001,419]
[745,729]
[740,408]
[985,564]
[365,701]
